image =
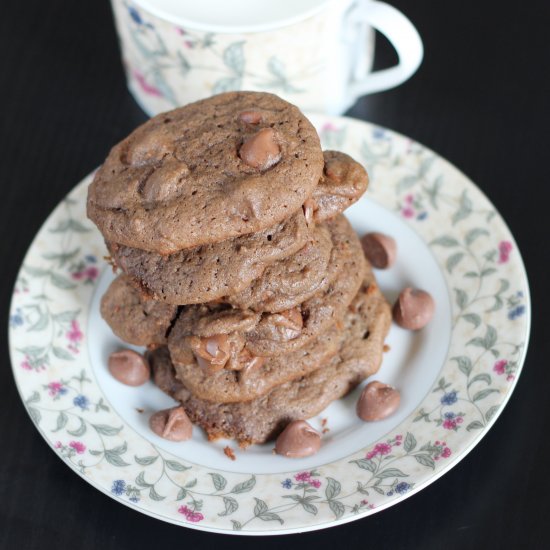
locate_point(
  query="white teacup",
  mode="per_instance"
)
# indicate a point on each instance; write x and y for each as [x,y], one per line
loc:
[316,54]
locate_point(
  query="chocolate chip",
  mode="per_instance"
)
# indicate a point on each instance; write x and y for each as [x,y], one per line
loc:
[290,322]
[298,440]
[172,424]
[380,249]
[413,309]
[377,401]
[129,367]
[309,207]
[251,117]
[213,352]
[261,151]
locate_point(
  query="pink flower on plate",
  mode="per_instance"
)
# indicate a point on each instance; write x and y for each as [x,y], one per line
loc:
[500,366]
[77,446]
[190,515]
[25,364]
[449,424]
[382,449]
[144,85]
[75,334]
[446,452]
[407,212]
[504,249]
[315,482]
[510,377]
[302,476]
[58,445]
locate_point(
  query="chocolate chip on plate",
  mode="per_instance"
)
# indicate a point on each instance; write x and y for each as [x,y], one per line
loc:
[129,367]
[413,309]
[298,440]
[380,250]
[377,401]
[172,424]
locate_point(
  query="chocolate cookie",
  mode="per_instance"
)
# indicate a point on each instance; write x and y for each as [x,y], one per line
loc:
[133,318]
[258,378]
[343,182]
[230,165]
[263,419]
[208,272]
[282,332]
[291,281]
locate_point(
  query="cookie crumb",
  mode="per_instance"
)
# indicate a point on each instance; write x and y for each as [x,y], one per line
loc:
[139,410]
[323,422]
[111,262]
[229,453]
[386,348]
[325,430]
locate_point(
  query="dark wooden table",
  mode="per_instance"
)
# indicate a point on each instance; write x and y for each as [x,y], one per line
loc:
[481,99]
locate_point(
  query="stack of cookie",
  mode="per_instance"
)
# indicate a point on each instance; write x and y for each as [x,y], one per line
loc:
[239,272]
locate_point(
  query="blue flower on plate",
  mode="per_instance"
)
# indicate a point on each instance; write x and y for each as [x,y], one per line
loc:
[119,486]
[81,401]
[449,398]
[287,483]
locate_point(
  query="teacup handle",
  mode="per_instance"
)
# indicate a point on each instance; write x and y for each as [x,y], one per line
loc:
[402,35]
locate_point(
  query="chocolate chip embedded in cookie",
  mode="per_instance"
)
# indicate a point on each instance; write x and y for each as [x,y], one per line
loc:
[230,165]
[343,182]
[132,317]
[208,272]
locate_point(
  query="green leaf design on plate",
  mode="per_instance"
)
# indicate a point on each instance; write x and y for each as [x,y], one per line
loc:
[483,377]
[154,495]
[390,472]
[231,505]
[219,481]
[453,261]
[473,318]
[337,508]
[69,225]
[333,488]
[474,234]
[35,414]
[245,486]
[425,460]
[140,480]
[445,241]
[483,394]
[62,419]
[461,298]
[61,353]
[145,460]
[80,431]
[114,458]
[491,412]
[233,57]
[227,84]
[176,466]
[464,209]
[410,442]
[103,429]
[61,282]
[365,464]
[475,425]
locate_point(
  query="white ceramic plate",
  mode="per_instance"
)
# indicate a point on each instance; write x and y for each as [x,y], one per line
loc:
[455,376]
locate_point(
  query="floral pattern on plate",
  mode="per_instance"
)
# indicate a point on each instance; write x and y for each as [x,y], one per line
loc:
[490,327]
